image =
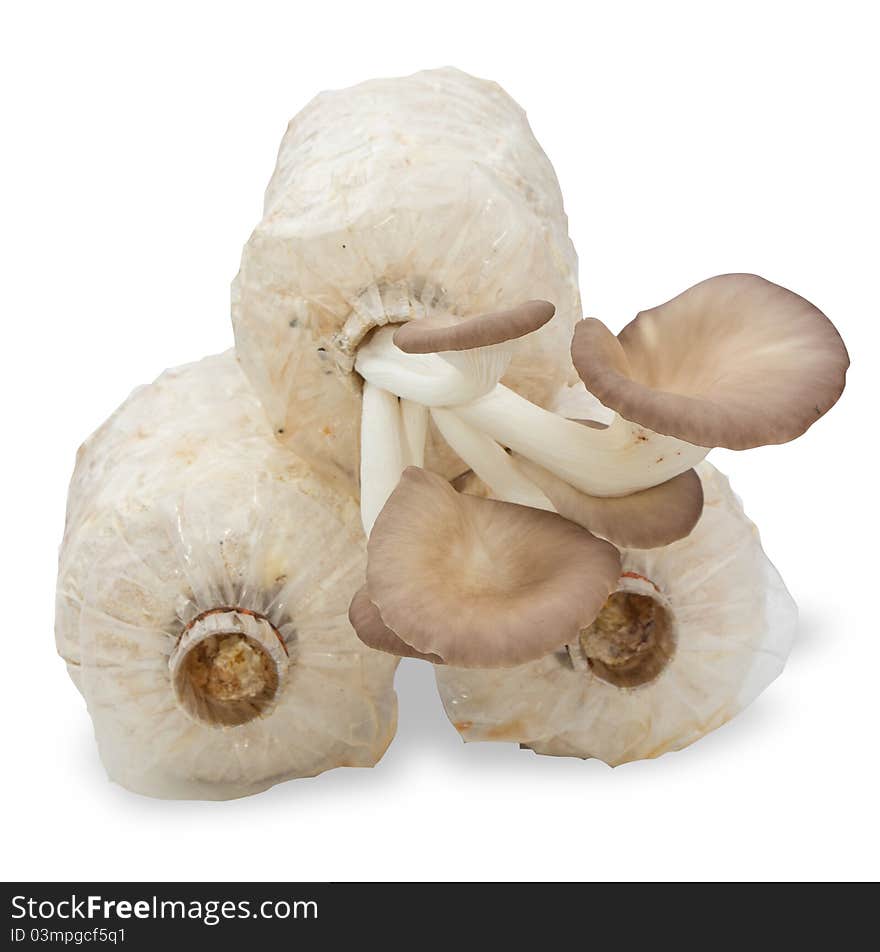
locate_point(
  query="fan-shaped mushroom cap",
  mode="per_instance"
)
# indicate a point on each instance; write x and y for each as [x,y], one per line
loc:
[642,520]
[479,582]
[374,633]
[434,335]
[734,361]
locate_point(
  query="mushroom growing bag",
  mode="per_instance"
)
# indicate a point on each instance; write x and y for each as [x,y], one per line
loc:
[723,628]
[204,581]
[393,200]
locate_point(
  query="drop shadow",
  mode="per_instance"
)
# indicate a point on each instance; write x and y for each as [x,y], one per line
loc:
[426,741]
[812,634]
[422,723]
[424,737]
[425,734]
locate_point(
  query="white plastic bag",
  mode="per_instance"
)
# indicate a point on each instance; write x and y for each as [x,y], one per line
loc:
[391,200]
[189,524]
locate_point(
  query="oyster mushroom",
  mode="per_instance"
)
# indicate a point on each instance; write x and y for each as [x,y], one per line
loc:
[203,589]
[735,361]
[471,358]
[442,203]
[475,354]
[695,631]
[444,334]
[620,459]
[477,582]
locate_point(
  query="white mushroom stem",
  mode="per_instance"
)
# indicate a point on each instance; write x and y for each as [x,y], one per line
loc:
[415,431]
[621,459]
[382,455]
[485,366]
[577,403]
[489,461]
[430,379]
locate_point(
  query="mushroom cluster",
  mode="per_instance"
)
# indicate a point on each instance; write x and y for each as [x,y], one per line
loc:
[420,449]
[472,582]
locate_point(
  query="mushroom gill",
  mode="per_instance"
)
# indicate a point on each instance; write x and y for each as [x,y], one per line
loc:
[734,361]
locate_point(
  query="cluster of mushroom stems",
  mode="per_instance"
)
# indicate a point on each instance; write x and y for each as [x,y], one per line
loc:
[734,361]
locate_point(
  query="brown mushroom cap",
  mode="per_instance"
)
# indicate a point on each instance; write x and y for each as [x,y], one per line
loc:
[642,520]
[483,583]
[734,361]
[374,633]
[434,335]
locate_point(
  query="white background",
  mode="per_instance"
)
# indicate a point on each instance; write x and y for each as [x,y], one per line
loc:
[690,139]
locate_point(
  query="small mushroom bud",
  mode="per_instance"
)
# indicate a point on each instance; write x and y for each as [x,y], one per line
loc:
[203,590]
